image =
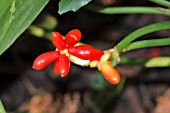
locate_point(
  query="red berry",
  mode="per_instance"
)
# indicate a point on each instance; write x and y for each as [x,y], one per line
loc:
[44,59]
[81,51]
[62,66]
[58,40]
[96,54]
[109,73]
[56,67]
[72,37]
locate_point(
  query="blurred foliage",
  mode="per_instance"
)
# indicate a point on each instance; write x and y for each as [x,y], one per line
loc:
[158,62]
[43,26]
[105,95]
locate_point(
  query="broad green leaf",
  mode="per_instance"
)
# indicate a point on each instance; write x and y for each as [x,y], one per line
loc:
[158,62]
[2,110]
[4,4]
[71,5]
[15,17]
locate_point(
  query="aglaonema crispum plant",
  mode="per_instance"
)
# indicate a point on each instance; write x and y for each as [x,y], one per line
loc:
[86,55]
[15,17]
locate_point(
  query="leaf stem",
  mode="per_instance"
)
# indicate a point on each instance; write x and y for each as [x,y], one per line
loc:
[140,32]
[147,43]
[129,10]
[164,3]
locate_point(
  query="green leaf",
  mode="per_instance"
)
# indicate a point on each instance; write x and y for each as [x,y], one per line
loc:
[15,17]
[164,3]
[71,5]
[147,43]
[128,10]
[158,62]
[2,109]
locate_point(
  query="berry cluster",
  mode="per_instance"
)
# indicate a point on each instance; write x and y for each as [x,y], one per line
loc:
[66,47]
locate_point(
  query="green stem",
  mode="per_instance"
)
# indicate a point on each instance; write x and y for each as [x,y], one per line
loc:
[164,3]
[140,32]
[147,43]
[129,10]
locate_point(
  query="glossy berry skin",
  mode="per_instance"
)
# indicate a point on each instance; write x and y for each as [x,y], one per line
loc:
[56,67]
[81,51]
[58,40]
[109,73]
[62,66]
[72,37]
[45,59]
[96,54]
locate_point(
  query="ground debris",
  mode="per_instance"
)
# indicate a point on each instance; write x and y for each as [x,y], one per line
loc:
[163,103]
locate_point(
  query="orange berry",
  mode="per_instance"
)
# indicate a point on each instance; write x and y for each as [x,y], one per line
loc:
[109,73]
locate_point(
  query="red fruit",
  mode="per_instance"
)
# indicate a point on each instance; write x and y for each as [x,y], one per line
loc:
[62,66]
[44,59]
[96,54]
[109,73]
[58,40]
[81,51]
[56,67]
[72,37]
